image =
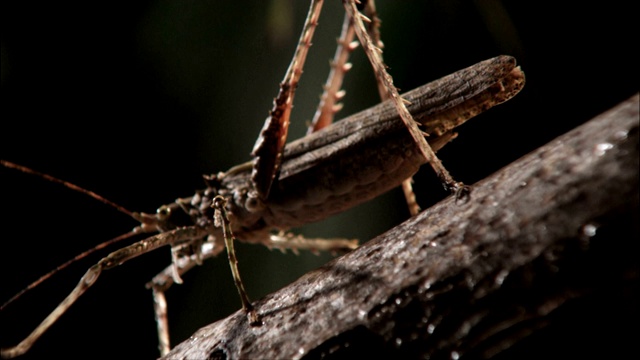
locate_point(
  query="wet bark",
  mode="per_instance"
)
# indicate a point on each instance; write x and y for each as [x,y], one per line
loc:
[541,261]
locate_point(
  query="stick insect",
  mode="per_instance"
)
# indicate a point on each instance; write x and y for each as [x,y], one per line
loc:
[498,87]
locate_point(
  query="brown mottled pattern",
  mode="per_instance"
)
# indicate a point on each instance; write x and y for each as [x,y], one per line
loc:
[371,152]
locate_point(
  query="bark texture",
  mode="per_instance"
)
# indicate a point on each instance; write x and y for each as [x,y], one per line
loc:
[542,260]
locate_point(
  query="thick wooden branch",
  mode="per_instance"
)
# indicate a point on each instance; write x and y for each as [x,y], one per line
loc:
[542,260]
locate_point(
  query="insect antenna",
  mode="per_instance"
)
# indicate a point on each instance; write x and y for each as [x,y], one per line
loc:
[68,185]
[84,254]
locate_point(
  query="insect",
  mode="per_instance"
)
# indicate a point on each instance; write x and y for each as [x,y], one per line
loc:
[245,192]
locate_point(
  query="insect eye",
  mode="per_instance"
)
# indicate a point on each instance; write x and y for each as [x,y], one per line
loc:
[163,212]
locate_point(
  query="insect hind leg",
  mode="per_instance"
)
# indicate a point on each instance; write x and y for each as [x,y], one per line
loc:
[371,44]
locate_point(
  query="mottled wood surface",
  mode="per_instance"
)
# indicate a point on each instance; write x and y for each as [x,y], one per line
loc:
[542,261]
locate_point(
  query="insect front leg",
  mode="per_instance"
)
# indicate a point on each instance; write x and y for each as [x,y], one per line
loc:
[212,248]
[173,237]
[165,279]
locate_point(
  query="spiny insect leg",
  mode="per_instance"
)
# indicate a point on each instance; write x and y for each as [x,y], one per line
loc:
[268,149]
[373,53]
[329,101]
[373,29]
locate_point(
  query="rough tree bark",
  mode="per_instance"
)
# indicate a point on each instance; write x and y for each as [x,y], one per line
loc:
[543,260]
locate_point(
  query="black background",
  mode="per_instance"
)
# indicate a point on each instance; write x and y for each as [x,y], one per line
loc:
[135,101]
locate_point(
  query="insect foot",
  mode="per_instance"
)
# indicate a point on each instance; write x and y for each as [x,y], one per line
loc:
[462,192]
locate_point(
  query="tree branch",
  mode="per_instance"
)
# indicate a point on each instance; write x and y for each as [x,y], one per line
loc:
[542,260]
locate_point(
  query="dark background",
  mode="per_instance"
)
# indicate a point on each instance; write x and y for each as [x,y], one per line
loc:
[136,101]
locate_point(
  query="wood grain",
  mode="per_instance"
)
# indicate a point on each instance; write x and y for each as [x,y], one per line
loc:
[541,261]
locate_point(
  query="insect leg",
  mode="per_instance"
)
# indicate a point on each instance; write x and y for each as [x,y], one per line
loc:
[289,241]
[373,53]
[329,105]
[174,237]
[162,321]
[222,219]
[268,149]
[373,29]
[165,279]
